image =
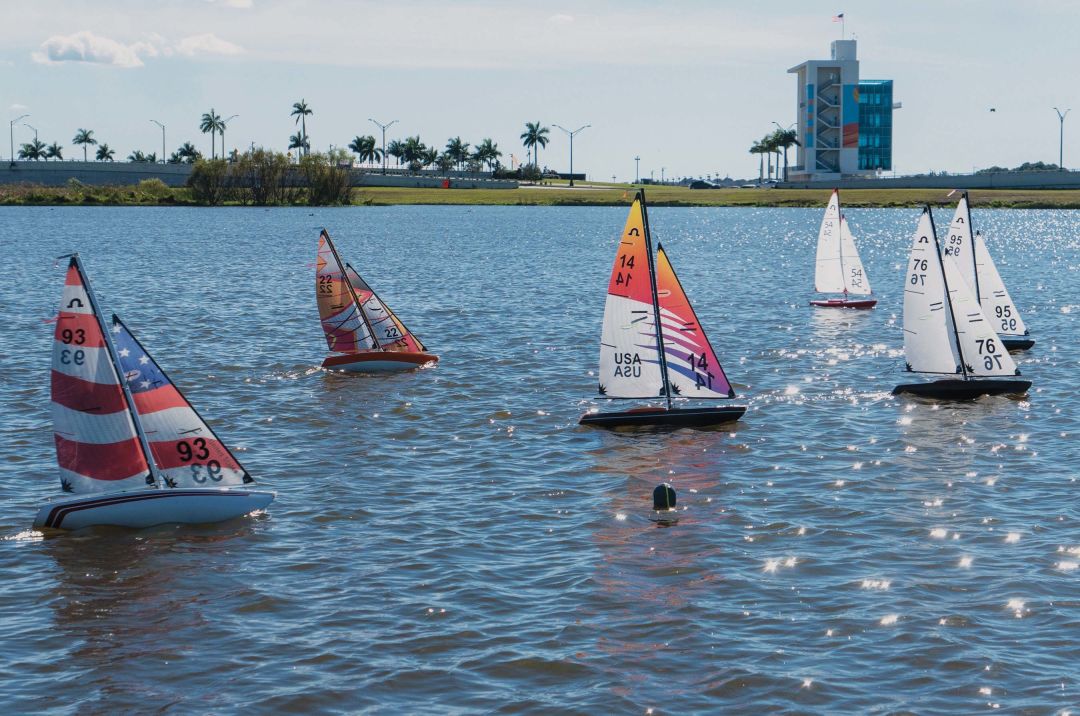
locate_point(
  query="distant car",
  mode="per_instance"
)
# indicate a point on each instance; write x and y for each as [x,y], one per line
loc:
[748,186]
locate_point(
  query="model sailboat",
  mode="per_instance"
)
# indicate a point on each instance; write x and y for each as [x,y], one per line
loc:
[362,332]
[131,448]
[652,345]
[973,260]
[838,268]
[945,331]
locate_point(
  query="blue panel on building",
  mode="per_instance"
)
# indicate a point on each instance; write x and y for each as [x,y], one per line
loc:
[875,124]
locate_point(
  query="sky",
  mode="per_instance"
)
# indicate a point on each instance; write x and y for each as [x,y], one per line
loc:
[687,85]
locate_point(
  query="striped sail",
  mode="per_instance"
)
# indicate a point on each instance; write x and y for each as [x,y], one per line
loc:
[186,451]
[389,331]
[342,322]
[856,282]
[996,302]
[97,446]
[929,338]
[828,271]
[693,370]
[629,354]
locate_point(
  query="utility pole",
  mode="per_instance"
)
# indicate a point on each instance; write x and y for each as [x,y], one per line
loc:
[1061,138]
[162,138]
[383,127]
[637,169]
[571,135]
[11,134]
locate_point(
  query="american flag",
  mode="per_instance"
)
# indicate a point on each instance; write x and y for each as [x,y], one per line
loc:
[838,18]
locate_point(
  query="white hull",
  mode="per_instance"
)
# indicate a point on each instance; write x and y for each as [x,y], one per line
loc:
[146,508]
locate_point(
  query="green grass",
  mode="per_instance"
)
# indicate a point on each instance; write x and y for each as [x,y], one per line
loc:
[558,194]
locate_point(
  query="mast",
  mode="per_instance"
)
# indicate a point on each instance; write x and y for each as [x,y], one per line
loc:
[948,297]
[144,444]
[352,291]
[974,263]
[840,239]
[655,300]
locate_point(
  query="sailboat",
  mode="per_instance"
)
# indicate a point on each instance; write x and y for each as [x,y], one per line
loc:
[131,449]
[982,277]
[364,335]
[946,332]
[838,268]
[645,358]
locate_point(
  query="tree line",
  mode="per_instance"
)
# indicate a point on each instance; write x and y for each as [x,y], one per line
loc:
[775,142]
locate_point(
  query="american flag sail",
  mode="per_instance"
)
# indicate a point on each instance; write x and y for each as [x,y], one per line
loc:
[186,451]
[389,331]
[342,320]
[97,445]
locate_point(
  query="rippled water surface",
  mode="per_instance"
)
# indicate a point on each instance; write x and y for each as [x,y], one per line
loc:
[452,541]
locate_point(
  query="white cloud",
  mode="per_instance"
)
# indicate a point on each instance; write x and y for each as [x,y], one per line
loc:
[241,4]
[561,19]
[18,107]
[207,44]
[85,46]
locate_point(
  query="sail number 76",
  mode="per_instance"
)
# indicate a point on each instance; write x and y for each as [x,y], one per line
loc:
[989,352]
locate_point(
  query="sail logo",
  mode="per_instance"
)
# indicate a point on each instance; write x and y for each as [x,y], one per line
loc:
[627,365]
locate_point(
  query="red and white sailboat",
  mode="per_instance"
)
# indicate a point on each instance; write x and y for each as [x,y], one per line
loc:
[838,268]
[648,359]
[132,452]
[362,332]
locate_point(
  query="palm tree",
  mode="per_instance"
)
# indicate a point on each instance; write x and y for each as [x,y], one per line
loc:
[186,154]
[412,150]
[429,156]
[34,150]
[396,149]
[139,156]
[458,151]
[533,138]
[84,137]
[487,152]
[105,153]
[54,151]
[298,142]
[365,149]
[211,124]
[301,111]
[784,139]
[759,149]
[445,162]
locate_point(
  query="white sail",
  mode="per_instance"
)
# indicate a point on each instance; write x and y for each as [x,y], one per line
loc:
[982,350]
[996,302]
[929,340]
[829,272]
[959,246]
[855,280]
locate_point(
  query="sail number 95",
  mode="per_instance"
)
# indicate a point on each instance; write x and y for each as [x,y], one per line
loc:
[918,275]
[1004,314]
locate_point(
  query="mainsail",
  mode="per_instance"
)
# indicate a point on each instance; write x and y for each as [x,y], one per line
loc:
[929,338]
[97,445]
[829,271]
[342,320]
[959,244]
[185,449]
[388,329]
[996,302]
[693,370]
[630,362]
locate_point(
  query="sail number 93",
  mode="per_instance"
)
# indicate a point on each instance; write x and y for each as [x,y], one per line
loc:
[197,450]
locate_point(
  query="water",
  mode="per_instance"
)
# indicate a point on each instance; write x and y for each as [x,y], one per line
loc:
[452,541]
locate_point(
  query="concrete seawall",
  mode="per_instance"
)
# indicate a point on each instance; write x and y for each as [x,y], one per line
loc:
[989,180]
[176,175]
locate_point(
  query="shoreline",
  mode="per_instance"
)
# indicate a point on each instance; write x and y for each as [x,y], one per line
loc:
[591,194]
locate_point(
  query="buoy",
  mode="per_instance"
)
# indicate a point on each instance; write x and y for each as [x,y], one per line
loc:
[663,502]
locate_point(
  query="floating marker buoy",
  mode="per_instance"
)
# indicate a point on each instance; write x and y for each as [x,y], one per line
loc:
[663,503]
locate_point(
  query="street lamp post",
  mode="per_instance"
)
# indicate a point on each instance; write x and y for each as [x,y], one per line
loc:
[11,134]
[571,135]
[637,169]
[162,138]
[661,175]
[383,127]
[223,123]
[1061,138]
[33,128]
